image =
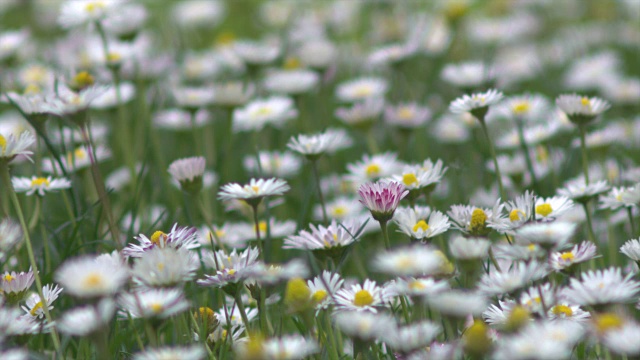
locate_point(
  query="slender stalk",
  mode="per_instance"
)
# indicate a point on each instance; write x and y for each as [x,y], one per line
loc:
[385,234]
[314,166]
[633,226]
[583,148]
[99,183]
[6,178]
[152,334]
[197,136]
[592,236]
[405,309]
[243,313]
[527,155]
[495,159]
[257,229]
[493,260]
[371,141]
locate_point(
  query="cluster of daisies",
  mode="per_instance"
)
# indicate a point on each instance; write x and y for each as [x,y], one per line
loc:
[172,191]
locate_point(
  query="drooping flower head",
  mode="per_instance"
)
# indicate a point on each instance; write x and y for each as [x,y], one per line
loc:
[581,110]
[382,198]
[188,172]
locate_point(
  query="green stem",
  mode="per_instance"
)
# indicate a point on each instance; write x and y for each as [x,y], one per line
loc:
[592,236]
[495,158]
[151,333]
[633,226]
[385,234]
[371,141]
[314,166]
[405,309]
[527,155]
[493,260]
[583,148]
[6,178]
[243,314]
[257,229]
[196,133]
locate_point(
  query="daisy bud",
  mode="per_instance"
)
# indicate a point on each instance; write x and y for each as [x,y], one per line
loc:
[476,341]
[188,172]
[297,295]
[382,198]
[206,318]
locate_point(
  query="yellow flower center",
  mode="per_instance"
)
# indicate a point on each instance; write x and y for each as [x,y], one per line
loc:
[405,113]
[77,154]
[225,38]
[3,143]
[567,256]
[542,155]
[160,266]
[362,298]
[608,321]
[421,225]
[231,271]
[205,312]
[409,179]
[585,102]
[262,226]
[292,63]
[362,91]
[35,74]
[339,211]
[531,247]
[416,285]
[156,308]
[40,181]
[94,6]
[521,107]
[93,280]
[9,278]
[515,214]
[544,209]
[562,310]
[263,111]
[83,79]
[32,89]
[518,317]
[373,170]
[255,188]
[158,237]
[114,57]
[35,309]
[478,220]
[318,296]
[219,233]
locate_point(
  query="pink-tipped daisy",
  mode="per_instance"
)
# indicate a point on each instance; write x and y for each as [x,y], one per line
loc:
[382,198]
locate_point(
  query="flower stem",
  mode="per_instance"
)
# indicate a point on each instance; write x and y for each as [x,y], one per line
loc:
[495,159]
[583,148]
[633,226]
[527,155]
[385,234]
[6,178]
[257,228]
[314,166]
[243,313]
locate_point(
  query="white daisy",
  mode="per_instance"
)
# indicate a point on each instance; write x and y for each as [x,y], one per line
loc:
[363,325]
[178,119]
[521,211]
[578,254]
[178,237]
[193,352]
[373,167]
[617,198]
[153,303]
[256,53]
[423,287]
[361,115]
[188,172]
[463,248]
[566,311]
[366,297]
[458,303]
[229,267]
[624,340]
[509,280]
[14,285]
[193,98]
[91,277]
[555,235]
[257,114]
[254,191]
[580,192]
[468,75]
[581,110]
[324,237]
[74,13]
[323,289]
[273,163]
[361,89]
[341,208]
[164,267]
[86,320]
[601,287]
[289,347]
[420,222]
[410,261]
[551,208]
[477,104]
[411,337]
[407,116]
[10,146]
[631,248]
[313,146]
[291,82]
[39,185]
[475,221]
[34,305]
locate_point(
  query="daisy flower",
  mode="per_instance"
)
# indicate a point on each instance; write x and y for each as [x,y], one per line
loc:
[254,191]
[580,192]
[178,237]
[521,211]
[323,289]
[230,268]
[39,185]
[271,274]
[463,248]
[458,303]
[372,168]
[313,146]
[86,320]
[497,315]
[617,198]
[512,279]
[541,340]
[419,286]
[361,89]
[468,75]
[193,98]
[188,172]
[366,297]
[256,53]
[325,237]
[631,248]
[14,286]
[10,146]
[257,114]
[477,104]
[75,160]
[291,82]
[555,235]
[581,110]
[273,163]
[341,209]
[421,223]
[277,229]
[566,311]
[74,13]
[473,220]
[579,253]
[534,296]
[623,340]
[180,120]
[194,352]
[70,104]
[550,208]
[164,267]
[153,303]
[289,347]
[34,305]
[361,325]
[407,116]
[411,337]
[361,115]
[382,198]
[232,94]
[410,261]
[601,287]
[91,277]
